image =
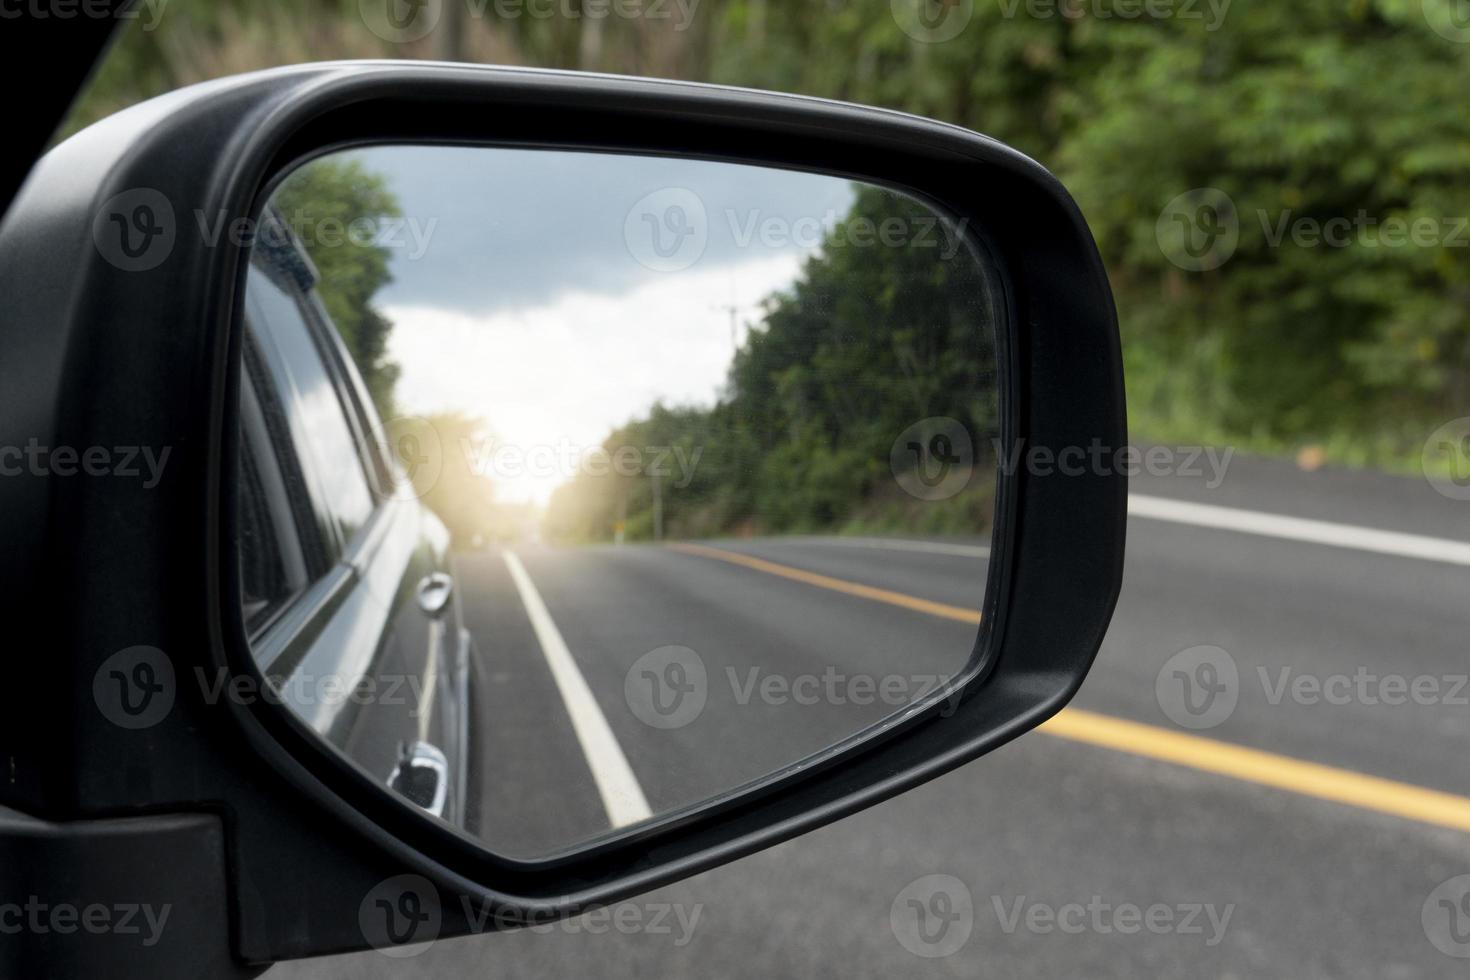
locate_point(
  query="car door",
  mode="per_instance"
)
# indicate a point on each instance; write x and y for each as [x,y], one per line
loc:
[349,593]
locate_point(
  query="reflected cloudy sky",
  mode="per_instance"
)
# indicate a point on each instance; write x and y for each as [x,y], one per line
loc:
[529,288]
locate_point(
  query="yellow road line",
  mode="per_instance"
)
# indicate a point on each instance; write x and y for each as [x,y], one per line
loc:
[957,613]
[1264,768]
[1312,779]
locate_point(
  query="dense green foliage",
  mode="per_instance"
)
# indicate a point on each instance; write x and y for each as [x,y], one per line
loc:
[332,206]
[870,339]
[1315,112]
[1319,110]
[1322,110]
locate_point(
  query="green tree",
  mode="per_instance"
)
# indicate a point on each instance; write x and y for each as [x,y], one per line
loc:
[321,202]
[1317,110]
[870,339]
[1312,112]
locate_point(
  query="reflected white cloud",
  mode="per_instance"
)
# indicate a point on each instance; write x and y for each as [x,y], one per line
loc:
[493,229]
[552,381]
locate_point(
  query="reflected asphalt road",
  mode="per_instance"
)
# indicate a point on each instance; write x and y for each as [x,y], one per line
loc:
[709,673]
[1048,824]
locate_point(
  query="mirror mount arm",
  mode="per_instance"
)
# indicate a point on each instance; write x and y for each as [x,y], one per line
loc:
[167,873]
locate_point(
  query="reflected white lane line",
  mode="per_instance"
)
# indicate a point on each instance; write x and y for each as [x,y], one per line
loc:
[1327,533]
[903,544]
[622,796]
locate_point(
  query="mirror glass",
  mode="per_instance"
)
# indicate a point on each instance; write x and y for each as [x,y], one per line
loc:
[576,489]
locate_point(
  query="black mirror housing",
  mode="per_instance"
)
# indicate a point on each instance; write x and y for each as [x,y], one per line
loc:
[119,328]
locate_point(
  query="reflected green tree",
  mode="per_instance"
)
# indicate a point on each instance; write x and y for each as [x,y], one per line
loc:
[331,205]
[878,332]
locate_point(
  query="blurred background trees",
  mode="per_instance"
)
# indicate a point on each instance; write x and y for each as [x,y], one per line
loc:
[1318,109]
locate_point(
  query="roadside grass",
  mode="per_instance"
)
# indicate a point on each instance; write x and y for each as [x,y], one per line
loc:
[1177,398]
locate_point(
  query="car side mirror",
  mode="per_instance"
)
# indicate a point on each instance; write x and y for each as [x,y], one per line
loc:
[165,287]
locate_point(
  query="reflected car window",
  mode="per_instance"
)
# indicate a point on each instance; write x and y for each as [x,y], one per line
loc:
[323,436]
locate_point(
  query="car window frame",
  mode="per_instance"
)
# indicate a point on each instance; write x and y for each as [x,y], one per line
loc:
[339,528]
[296,624]
[263,440]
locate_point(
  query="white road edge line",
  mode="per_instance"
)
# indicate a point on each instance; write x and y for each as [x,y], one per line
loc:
[903,544]
[622,797]
[1300,529]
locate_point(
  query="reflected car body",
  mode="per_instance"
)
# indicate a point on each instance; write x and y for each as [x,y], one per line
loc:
[349,596]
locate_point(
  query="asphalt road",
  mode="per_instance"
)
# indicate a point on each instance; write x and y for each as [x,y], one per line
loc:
[774,671]
[1050,857]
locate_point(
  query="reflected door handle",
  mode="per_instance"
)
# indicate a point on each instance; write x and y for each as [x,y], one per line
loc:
[421,776]
[434,592]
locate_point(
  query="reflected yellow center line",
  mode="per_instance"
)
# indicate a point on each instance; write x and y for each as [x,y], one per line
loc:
[957,613]
[1282,772]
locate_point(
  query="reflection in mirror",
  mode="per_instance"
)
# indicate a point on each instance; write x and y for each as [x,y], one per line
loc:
[576,489]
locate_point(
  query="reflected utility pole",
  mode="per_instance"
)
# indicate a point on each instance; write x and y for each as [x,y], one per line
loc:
[621,524]
[658,507]
[733,309]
